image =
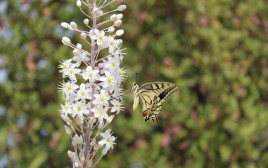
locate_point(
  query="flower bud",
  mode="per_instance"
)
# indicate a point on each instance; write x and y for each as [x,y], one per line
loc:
[76,52]
[119,32]
[67,129]
[113,18]
[110,119]
[84,54]
[78,45]
[111,29]
[119,41]
[95,11]
[78,3]
[66,119]
[82,157]
[121,7]
[77,139]
[91,120]
[91,33]
[93,142]
[73,25]
[119,16]
[83,35]
[100,126]
[100,45]
[104,151]
[117,22]
[100,12]
[76,164]
[73,142]
[86,21]
[89,163]
[66,41]
[65,25]
[71,154]
[96,147]
[78,120]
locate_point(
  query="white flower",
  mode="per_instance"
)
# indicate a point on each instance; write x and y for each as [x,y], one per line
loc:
[119,53]
[110,65]
[69,89]
[79,57]
[119,75]
[108,140]
[80,108]
[64,66]
[90,74]
[121,72]
[112,44]
[100,113]
[117,93]
[108,80]
[84,93]
[116,106]
[72,71]
[101,98]
[66,109]
[114,61]
[99,36]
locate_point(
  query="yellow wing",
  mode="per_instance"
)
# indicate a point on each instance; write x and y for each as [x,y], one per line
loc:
[136,102]
[152,95]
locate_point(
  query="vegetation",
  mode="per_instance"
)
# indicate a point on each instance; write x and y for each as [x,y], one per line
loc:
[215,51]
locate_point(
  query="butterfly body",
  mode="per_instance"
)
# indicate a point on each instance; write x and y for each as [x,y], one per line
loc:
[151,95]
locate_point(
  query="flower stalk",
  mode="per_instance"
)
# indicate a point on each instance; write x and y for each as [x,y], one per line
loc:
[92,87]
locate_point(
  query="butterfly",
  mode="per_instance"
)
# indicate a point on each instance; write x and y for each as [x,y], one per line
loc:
[151,95]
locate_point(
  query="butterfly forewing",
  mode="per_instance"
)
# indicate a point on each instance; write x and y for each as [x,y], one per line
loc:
[136,102]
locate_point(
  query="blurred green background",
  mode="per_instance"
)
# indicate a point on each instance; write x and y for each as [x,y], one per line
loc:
[215,51]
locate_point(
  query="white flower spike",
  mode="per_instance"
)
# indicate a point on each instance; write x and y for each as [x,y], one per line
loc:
[92,89]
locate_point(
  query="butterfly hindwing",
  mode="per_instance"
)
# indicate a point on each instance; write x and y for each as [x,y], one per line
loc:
[154,109]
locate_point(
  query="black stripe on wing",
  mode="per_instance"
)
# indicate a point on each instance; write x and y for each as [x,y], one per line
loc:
[166,93]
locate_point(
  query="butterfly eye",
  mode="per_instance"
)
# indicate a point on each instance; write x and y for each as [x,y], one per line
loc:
[134,84]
